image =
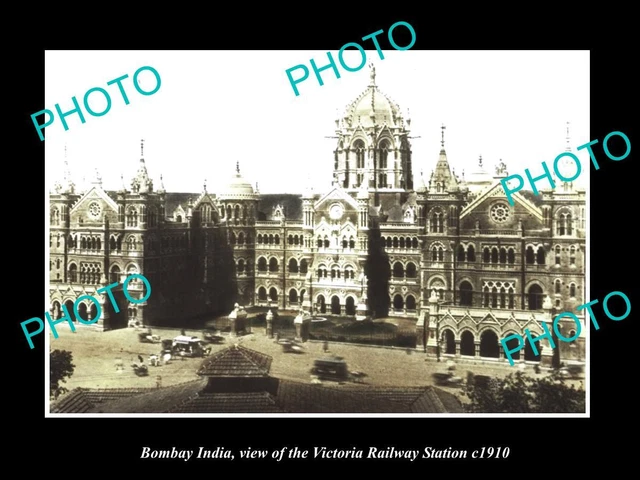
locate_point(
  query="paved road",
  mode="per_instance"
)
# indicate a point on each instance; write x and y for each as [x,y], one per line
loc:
[95,355]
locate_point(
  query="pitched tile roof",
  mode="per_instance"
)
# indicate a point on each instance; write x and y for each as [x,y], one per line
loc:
[82,400]
[248,402]
[236,361]
[155,400]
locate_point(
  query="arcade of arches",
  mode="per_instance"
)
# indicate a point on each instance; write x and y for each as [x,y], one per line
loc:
[485,345]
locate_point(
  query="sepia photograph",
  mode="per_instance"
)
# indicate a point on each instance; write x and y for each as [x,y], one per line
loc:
[222,242]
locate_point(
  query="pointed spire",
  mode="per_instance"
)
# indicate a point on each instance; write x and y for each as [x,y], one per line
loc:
[205,186]
[372,75]
[162,189]
[238,168]
[568,148]
[141,148]
[124,186]
[442,141]
[480,161]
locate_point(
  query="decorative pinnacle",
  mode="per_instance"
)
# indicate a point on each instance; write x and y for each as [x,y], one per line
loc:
[480,161]
[238,168]
[372,75]
[142,148]
[568,138]
[442,141]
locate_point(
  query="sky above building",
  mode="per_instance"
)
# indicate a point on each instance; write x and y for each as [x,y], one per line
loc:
[217,108]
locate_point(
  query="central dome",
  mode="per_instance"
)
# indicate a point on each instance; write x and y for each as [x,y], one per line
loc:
[237,187]
[373,107]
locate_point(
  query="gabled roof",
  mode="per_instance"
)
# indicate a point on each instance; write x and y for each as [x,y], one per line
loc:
[100,193]
[236,361]
[498,191]
[337,193]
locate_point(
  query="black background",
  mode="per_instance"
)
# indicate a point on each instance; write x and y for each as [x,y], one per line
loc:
[82,447]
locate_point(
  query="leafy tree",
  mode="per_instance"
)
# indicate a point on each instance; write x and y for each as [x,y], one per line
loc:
[61,368]
[518,393]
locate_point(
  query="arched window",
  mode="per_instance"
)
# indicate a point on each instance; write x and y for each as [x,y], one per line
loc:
[437,253]
[414,243]
[511,298]
[326,242]
[290,239]
[240,267]
[511,256]
[401,242]
[55,217]
[466,294]
[530,255]
[152,217]
[132,218]
[262,294]
[411,302]
[73,273]
[486,255]
[303,266]
[293,296]
[277,239]
[535,297]
[112,243]
[344,242]
[572,256]
[273,294]
[460,253]
[389,242]
[319,242]
[273,265]
[293,265]
[411,270]
[236,211]
[233,238]
[558,250]
[494,255]
[358,146]
[503,255]
[241,238]
[558,287]
[270,239]
[259,239]
[349,273]
[471,254]
[115,274]
[352,242]
[436,222]
[335,272]
[540,255]
[384,153]
[322,272]
[262,264]
[398,270]
[572,290]
[395,242]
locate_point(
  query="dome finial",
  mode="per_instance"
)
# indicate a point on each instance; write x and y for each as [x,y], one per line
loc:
[568,137]
[442,141]
[141,148]
[205,185]
[372,74]
[480,161]
[238,167]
